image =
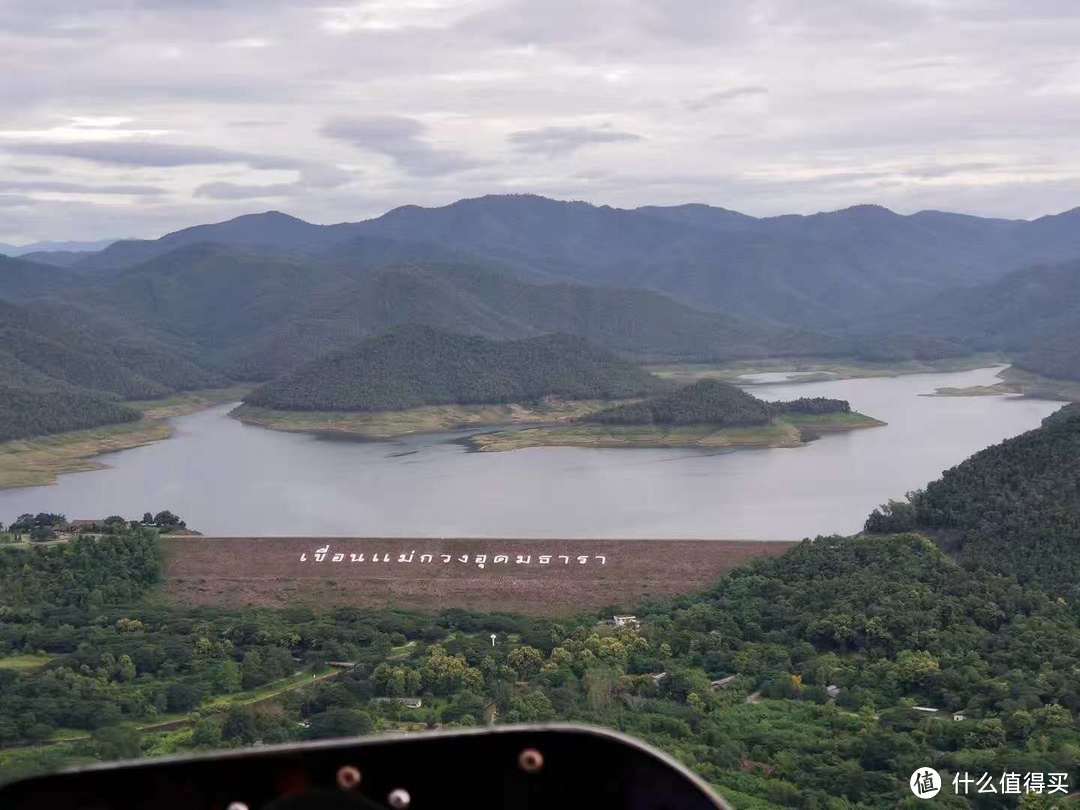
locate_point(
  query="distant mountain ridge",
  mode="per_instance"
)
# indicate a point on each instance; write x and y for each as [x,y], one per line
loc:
[417,365]
[819,271]
[1034,314]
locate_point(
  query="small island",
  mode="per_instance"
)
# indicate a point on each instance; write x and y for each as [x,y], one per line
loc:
[709,414]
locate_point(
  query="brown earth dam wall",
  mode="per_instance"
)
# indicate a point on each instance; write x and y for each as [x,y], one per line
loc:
[548,577]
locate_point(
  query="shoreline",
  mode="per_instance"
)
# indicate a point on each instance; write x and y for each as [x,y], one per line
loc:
[40,461]
[786,432]
[1019,383]
[818,369]
[427,419]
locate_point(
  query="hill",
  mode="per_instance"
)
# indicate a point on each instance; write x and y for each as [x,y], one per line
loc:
[1013,508]
[1033,314]
[818,271]
[417,365]
[60,371]
[823,271]
[256,315]
[25,413]
[705,402]
[713,402]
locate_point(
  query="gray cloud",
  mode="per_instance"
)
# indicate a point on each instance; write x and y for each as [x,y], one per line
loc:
[400,139]
[555,141]
[910,103]
[149,153]
[237,191]
[720,96]
[78,188]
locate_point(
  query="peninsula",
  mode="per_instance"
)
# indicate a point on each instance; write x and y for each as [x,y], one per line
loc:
[708,414]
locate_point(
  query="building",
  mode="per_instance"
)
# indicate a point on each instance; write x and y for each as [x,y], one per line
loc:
[83,526]
[407,702]
[723,683]
[625,621]
[833,691]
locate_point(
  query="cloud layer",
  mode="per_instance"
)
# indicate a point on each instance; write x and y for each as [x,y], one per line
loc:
[136,117]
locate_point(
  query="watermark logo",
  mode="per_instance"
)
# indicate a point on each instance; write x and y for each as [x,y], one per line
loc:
[925,783]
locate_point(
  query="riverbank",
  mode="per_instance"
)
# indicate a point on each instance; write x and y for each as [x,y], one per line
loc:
[1018,381]
[821,369]
[787,431]
[382,425]
[39,461]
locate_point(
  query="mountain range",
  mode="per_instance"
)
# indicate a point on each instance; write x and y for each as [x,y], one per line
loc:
[821,271]
[257,297]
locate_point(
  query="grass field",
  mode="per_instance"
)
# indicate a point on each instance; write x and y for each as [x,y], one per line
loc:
[379,425]
[37,462]
[790,431]
[24,663]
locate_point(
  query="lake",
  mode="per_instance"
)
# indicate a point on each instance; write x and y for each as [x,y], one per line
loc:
[226,478]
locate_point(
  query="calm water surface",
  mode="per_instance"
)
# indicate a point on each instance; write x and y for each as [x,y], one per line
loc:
[231,479]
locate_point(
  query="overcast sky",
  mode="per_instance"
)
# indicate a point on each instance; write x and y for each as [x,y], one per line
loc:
[139,117]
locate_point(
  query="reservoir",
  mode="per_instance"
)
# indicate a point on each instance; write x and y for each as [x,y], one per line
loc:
[226,478]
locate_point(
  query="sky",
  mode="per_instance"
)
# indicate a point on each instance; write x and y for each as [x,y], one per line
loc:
[132,118]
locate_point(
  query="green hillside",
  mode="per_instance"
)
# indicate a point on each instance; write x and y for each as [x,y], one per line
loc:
[705,402]
[25,413]
[418,365]
[712,402]
[60,371]
[1013,508]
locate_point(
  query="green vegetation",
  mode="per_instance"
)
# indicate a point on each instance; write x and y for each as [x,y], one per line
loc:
[25,413]
[707,414]
[415,366]
[63,372]
[791,430]
[24,663]
[377,425]
[1013,508]
[838,639]
[706,402]
[39,460]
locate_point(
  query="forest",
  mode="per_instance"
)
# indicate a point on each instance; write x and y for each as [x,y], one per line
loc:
[417,365]
[831,646]
[1012,509]
[712,402]
[25,413]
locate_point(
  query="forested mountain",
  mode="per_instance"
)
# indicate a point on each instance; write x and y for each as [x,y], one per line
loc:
[1013,508]
[22,279]
[26,412]
[1034,314]
[51,247]
[418,365]
[44,345]
[60,370]
[256,316]
[259,296]
[822,271]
